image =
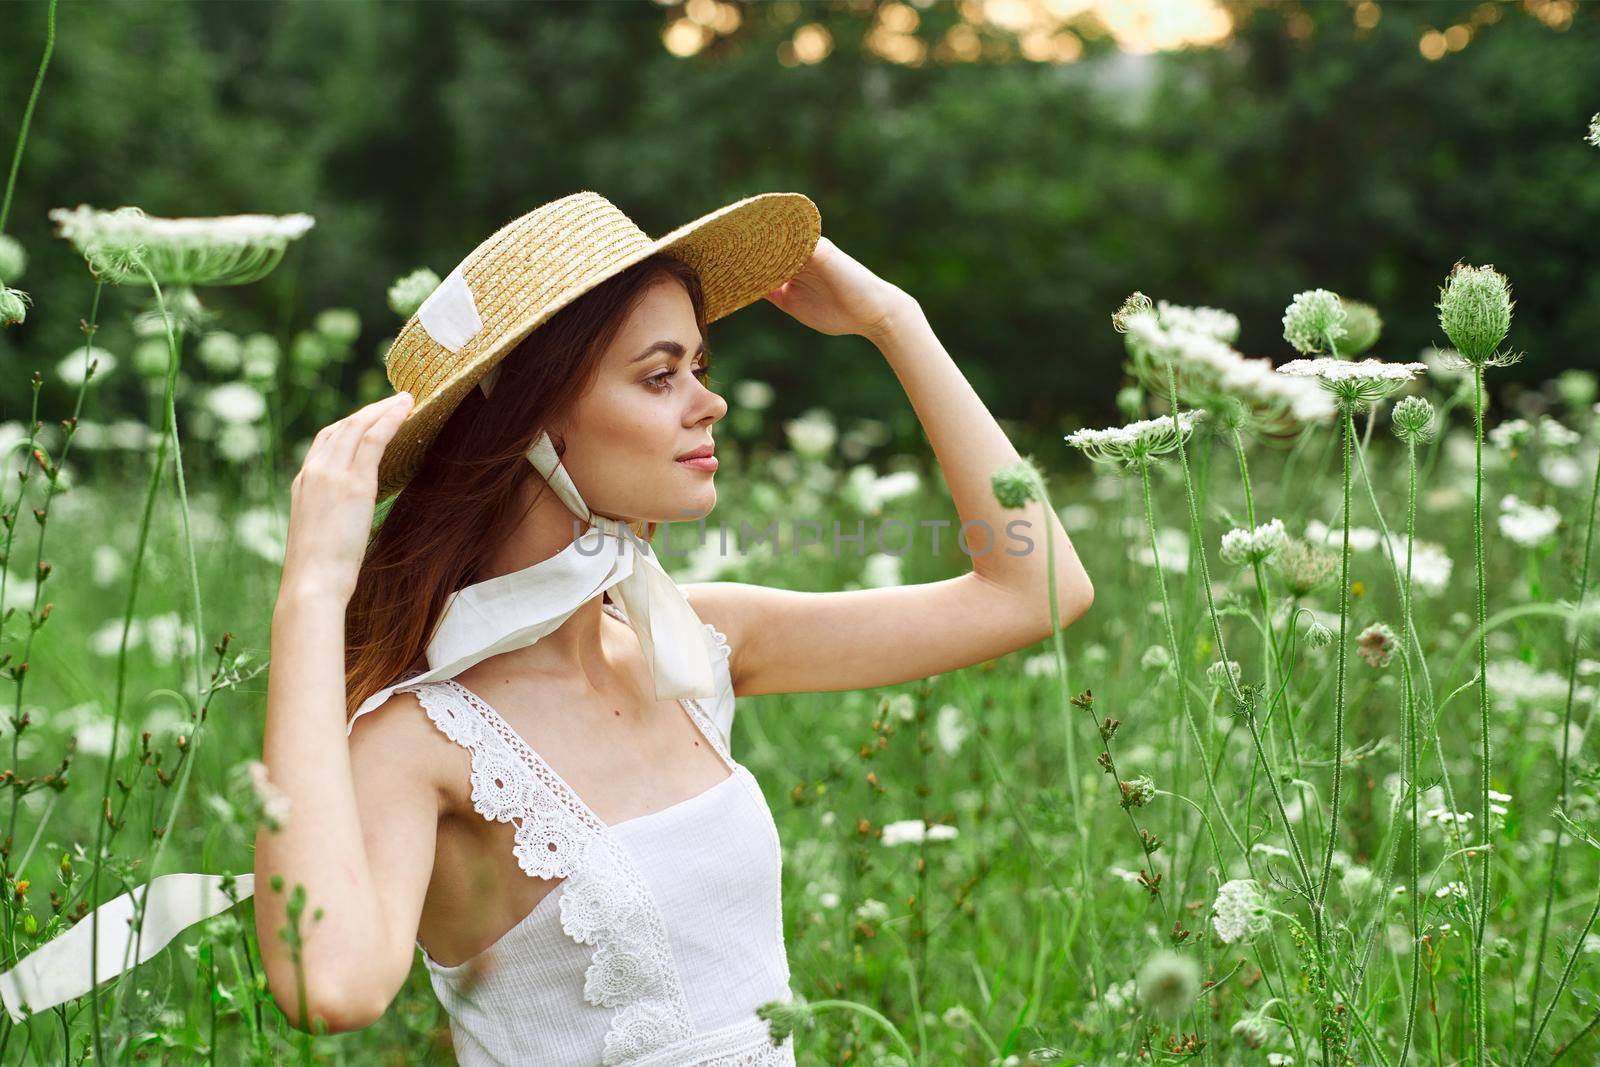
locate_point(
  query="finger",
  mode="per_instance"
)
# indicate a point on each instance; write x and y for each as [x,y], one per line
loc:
[370,448]
[342,446]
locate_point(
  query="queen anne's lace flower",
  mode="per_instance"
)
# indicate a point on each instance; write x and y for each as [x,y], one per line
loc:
[236,402]
[1243,547]
[1475,311]
[13,306]
[1136,441]
[1594,131]
[225,250]
[1314,321]
[13,259]
[1168,983]
[73,368]
[1193,345]
[1362,327]
[408,292]
[1354,382]
[1376,645]
[1212,322]
[1304,566]
[1530,525]
[1240,911]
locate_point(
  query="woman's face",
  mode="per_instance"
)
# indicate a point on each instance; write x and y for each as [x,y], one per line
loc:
[647,406]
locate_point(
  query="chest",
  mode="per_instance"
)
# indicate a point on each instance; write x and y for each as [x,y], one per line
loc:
[624,770]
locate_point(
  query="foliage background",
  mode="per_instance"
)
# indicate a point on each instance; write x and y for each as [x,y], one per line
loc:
[1019,201]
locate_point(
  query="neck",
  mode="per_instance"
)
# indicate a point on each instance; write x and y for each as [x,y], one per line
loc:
[575,647]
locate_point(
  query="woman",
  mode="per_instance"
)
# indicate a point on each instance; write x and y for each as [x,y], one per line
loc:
[558,727]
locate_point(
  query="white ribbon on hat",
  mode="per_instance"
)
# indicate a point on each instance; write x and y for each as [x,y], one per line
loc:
[481,620]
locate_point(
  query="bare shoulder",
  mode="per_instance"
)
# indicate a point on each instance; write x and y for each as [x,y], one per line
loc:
[400,741]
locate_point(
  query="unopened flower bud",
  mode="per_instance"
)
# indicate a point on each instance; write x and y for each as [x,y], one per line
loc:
[1018,484]
[407,294]
[13,260]
[1362,327]
[1318,635]
[1475,310]
[1136,304]
[1314,321]
[13,306]
[1413,419]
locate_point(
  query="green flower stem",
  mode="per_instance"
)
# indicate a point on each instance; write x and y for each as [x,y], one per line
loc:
[817,1007]
[137,570]
[1566,976]
[1420,664]
[27,113]
[89,329]
[1178,662]
[1410,707]
[1319,901]
[1566,745]
[1480,1028]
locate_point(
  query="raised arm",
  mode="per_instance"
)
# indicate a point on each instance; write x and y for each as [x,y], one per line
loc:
[792,641]
[363,809]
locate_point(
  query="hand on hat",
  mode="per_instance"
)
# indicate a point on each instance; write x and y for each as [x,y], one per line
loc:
[332,501]
[836,295]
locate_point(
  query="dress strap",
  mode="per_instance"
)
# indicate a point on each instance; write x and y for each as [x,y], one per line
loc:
[605,901]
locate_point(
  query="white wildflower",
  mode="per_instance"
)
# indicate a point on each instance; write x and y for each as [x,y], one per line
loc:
[72,369]
[951,729]
[1239,913]
[274,802]
[753,394]
[1449,889]
[1354,382]
[1212,322]
[1246,546]
[914,831]
[236,402]
[224,250]
[1362,538]
[1530,525]
[881,569]
[1314,321]
[813,433]
[1136,441]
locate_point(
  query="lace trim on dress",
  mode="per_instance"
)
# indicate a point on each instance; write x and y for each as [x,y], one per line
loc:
[605,902]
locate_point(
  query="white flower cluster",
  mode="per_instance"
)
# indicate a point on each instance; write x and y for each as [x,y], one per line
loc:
[1452,889]
[1136,440]
[1362,538]
[1242,547]
[1313,319]
[1341,370]
[223,250]
[1208,368]
[1514,433]
[1211,322]
[1240,911]
[1516,682]
[915,831]
[1431,565]
[1443,816]
[1530,525]
[1354,381]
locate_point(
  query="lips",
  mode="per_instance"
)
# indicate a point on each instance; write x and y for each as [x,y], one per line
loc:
[700,453]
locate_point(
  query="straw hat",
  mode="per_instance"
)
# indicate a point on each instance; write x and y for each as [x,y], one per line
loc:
[535,265]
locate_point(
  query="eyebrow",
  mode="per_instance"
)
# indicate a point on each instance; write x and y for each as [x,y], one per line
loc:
[673,348]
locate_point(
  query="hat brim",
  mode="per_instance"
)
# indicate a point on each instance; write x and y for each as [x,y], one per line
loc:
[741,251]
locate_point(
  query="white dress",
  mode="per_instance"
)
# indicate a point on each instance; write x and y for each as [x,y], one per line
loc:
[664,934]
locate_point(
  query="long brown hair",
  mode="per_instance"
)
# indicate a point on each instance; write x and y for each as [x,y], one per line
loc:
[438,531]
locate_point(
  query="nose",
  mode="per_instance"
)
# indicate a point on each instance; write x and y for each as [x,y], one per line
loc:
[709,405]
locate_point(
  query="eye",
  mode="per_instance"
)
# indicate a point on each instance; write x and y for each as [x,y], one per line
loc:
[662,382]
